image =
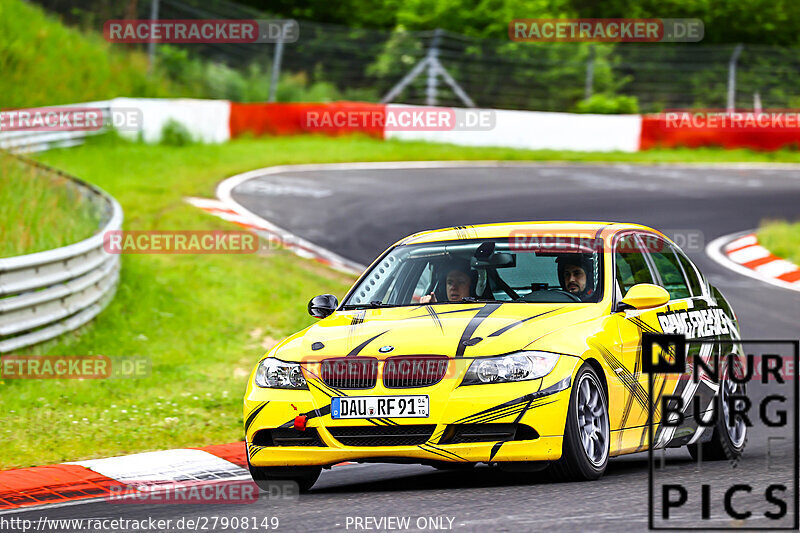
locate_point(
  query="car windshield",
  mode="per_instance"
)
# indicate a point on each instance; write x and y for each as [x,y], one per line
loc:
[479,271]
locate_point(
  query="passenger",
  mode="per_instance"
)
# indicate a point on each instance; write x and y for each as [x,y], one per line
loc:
[458,286]
[574,274]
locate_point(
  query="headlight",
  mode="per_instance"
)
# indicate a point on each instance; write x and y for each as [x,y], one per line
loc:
[519,366]
[276,374]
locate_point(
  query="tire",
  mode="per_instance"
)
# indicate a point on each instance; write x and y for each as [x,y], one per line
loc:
[304,476]
[726,442]
[576,463]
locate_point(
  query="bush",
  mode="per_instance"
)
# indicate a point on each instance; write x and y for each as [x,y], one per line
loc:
[608,105]
[175,134]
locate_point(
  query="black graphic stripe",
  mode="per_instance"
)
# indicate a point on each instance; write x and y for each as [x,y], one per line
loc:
[473,324]
[519,322]
[357,349]
[432,312]
[628,380]
[252,450]
[252,416]
[440,313]
[430,447]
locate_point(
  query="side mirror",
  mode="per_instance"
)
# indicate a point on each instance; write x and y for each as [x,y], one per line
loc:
[644,296]
[322,305]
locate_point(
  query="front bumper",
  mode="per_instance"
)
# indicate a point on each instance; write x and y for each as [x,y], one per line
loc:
[540,405]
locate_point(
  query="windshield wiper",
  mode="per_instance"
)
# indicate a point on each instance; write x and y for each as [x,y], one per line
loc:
[375,304]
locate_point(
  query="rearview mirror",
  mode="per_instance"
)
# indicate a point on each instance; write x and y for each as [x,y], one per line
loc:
[645,296]
[322,305]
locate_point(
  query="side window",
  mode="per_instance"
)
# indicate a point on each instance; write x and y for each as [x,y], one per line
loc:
[669,269]
[631,267]
[691,275]
[425,281]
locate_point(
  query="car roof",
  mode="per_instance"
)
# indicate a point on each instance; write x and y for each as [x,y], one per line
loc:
[509,229]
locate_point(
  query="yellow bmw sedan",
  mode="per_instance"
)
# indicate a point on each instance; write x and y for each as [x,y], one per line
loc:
[518,345]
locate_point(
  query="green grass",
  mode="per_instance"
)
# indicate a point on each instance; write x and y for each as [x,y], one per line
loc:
[203,321]
[53,214]
[46,63]
[781,238]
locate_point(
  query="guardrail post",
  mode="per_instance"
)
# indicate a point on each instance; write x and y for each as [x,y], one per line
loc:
[151,46]
[587,91]
[433,55]
[732,78]
[276,67]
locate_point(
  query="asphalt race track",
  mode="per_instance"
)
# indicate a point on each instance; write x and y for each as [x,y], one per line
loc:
[358,213]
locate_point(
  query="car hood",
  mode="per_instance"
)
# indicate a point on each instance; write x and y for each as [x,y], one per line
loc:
[455,330]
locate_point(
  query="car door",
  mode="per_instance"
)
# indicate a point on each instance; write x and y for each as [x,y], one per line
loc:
[690,313]
[629,418]
[641,257]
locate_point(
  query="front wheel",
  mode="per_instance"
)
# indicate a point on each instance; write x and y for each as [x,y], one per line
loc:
[304,476]
[584,453]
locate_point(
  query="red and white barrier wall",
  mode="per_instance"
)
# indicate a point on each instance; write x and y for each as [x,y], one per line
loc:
[215,121]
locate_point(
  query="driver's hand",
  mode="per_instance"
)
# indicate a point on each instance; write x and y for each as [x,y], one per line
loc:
[428,298]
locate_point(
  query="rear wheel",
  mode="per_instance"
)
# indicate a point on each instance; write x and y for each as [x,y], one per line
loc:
[727,441]
[304,476]
[584,453]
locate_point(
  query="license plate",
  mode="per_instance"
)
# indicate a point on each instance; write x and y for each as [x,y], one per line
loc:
[380,407]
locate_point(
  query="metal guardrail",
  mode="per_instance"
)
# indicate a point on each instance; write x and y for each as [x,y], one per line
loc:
[45,294]
[33,140]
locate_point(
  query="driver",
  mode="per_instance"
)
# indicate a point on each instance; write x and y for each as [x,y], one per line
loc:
[458,285]
[574,274]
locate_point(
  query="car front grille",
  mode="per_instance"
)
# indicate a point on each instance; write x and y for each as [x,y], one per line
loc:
[350,372]
[408,371]
[383,435]
[287,437]
[464,433]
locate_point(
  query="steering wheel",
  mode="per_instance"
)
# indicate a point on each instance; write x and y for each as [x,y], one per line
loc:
[548,296]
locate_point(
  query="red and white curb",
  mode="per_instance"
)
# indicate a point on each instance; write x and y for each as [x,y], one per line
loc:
[233,212]
[742,253]
[69,483]
[93,480]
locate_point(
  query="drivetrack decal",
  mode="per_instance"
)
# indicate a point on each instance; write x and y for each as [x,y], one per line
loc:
[696,323]
[473,324]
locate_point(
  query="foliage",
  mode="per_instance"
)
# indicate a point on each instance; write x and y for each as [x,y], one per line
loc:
[608,105]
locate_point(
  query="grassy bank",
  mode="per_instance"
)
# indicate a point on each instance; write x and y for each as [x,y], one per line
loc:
[202,321]
[781,238]
[53,212]
[46,63]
